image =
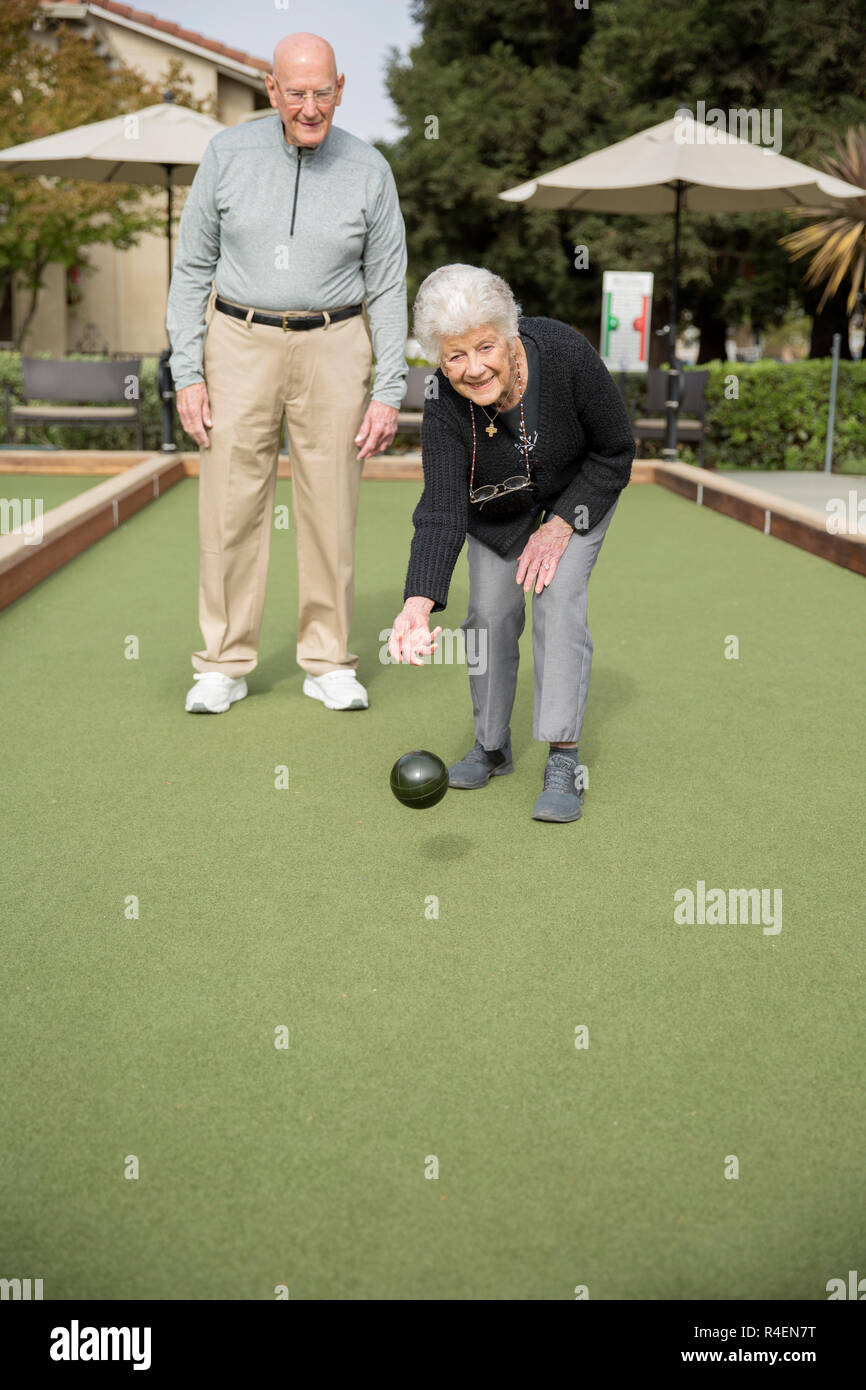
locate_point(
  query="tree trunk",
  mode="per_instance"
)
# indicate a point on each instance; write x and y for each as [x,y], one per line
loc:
[35,287]
[658,348]
[832,319]
[714,332]
[6,282]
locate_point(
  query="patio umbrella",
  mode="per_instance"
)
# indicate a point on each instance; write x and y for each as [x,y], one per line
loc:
[682,165]
[160,145]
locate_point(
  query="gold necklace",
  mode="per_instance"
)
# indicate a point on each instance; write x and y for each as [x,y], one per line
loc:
[491,428]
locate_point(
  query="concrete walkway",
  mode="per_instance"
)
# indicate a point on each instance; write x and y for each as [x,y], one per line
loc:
[809,489]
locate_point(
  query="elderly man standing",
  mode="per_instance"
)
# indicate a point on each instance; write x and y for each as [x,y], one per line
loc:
[294,222]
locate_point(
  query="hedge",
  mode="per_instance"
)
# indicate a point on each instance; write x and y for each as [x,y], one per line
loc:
[776,419]
[770,415]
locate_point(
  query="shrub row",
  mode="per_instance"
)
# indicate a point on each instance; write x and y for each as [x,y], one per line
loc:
[759,415]
[774,414]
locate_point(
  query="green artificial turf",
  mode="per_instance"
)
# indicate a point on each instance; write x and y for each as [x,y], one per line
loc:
[412,1036]
[45,490]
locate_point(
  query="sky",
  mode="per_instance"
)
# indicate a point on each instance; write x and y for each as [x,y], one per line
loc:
[361,31]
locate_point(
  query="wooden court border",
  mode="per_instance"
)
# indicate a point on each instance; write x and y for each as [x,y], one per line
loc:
[135,479]
[780,517]
[73,526]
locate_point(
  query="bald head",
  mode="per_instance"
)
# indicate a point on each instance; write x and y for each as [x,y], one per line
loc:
[299,55]
[305,88]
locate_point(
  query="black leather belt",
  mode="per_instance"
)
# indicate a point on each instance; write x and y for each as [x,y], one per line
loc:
[286,321]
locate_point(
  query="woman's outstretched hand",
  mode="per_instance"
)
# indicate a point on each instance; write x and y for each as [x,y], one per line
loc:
[542,553]
[411,639]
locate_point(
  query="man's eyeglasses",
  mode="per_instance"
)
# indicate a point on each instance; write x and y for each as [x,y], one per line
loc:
[324,97]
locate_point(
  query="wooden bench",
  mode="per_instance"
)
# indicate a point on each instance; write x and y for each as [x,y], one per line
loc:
[73,383]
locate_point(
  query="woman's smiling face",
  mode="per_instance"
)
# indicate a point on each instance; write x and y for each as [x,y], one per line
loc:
[478,364]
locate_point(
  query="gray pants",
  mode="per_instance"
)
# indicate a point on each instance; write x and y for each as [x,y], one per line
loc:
[561,641]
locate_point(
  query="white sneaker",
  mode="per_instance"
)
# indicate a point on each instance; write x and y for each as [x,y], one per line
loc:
[337,690]
[213,692]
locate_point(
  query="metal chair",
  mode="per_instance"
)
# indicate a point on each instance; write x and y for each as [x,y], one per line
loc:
[412,409]
[692,403]
[44,379]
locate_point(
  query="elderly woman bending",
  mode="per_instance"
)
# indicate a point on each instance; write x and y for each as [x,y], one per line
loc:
[526,447]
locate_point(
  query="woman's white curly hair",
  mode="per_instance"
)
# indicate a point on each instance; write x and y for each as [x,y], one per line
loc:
[456,298]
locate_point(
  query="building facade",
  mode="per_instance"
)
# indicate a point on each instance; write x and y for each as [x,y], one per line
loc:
[119,307]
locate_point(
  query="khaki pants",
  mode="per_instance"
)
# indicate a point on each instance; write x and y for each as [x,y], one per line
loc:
[320,380]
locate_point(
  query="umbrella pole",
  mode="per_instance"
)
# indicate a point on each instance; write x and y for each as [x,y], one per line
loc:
[672,404]
[169,170]
[164,381]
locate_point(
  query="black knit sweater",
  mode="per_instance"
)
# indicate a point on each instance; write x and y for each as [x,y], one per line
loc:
[583,458]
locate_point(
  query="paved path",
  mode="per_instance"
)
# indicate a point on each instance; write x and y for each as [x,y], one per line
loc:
[810,489]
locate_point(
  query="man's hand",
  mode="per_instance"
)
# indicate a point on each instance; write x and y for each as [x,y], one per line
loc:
[378,428]
[193,407]
[545,547]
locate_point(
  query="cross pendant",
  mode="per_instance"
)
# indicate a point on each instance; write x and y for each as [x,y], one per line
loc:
[491,429]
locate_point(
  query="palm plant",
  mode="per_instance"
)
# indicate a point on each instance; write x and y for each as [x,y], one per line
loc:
[837,242]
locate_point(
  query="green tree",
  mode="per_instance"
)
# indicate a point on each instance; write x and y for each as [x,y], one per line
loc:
[836,241]
[518,87]
[486,99]
[49,87]
[805,63]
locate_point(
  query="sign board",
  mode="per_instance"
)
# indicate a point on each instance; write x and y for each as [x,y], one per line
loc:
[626,314]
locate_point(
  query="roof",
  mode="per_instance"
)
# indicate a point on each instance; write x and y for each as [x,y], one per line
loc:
[174,31]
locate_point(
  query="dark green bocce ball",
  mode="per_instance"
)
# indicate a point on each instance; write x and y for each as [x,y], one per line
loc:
[419,779]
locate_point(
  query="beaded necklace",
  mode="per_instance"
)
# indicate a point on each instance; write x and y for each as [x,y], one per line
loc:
[522,434]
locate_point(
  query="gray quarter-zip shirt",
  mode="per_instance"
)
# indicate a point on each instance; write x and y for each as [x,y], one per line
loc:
[277,227]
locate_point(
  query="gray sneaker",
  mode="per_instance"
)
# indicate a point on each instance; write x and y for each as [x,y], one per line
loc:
[563,795]
[479,765]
